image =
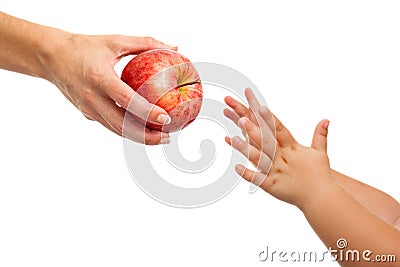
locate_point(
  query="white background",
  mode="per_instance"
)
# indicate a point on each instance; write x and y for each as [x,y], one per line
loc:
[66,196]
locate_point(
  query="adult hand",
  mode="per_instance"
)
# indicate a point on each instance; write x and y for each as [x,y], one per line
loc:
[82,67]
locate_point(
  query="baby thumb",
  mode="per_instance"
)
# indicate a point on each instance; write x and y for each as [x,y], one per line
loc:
[320,138]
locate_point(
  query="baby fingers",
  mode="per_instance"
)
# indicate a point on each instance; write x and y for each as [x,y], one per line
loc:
[254,177]
[283,135]
[261,135]
[259,159]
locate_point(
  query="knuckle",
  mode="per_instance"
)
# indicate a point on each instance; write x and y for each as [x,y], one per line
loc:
[279,127]
[86,112]
[149,142]
[149,40]
[149,111]
[88,99]
[277,166]
[119,128]
[116,125]
[294,146]
[119,133]
[284,159]
[255,158]
[87,116]
[92,75]
[124,99]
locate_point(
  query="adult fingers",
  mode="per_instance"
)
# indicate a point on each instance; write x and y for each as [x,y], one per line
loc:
[132,45]
[97,117]
[127,98]
[91,114]
[129,128]
[136,131]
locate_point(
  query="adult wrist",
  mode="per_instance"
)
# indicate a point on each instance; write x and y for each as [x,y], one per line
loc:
[49,44]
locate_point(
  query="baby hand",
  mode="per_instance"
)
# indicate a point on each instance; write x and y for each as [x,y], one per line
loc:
[287,170]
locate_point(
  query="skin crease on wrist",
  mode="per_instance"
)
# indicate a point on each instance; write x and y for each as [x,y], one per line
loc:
[82,67]
[336,206]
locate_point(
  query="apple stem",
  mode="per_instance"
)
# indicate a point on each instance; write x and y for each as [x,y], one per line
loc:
[190,83]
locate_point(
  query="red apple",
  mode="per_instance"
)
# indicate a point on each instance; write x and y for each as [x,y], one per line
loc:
[169,80]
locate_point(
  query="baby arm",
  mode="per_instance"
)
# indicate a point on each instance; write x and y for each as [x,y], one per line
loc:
[302,176]
[378,202]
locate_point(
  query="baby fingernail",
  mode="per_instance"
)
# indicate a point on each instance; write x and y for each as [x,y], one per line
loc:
[164,119]
[263,110]
[236,140]
[243,121]
[239,169]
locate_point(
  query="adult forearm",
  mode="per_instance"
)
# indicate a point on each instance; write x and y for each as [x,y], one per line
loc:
[335,214]
[380,203]
[24,46]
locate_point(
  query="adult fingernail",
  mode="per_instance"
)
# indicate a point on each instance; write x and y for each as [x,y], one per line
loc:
[239,169]
[172,46]
[164,119]
[326,124]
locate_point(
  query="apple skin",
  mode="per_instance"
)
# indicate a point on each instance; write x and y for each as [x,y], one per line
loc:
[169,80]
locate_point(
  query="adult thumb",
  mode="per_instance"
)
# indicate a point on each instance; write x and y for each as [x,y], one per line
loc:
[320,138]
